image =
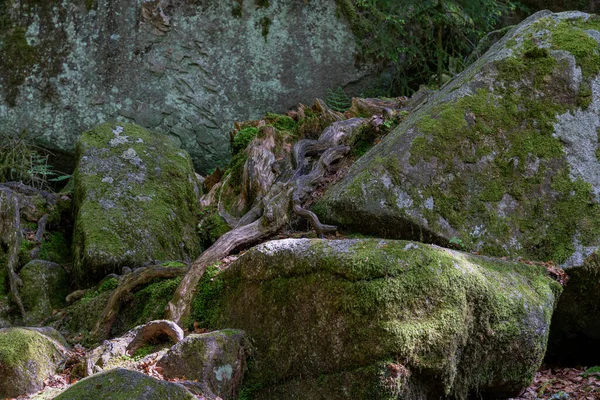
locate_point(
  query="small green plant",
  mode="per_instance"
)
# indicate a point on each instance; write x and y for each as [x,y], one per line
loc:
[338,100]
[457,243]
[21,161]
[143,351]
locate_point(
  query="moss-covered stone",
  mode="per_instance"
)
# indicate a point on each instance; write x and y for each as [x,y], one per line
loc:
[45,286]
[323,311]
[122,384]
[499,158]
[136,198]
[217,359]
[27,358]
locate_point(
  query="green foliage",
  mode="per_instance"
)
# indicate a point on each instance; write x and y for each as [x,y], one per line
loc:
[428,37]
[24,162]
[143,351]
[338,100]
[243,138]
[457,242]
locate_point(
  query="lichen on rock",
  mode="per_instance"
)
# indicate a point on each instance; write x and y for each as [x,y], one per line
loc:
[322,312]
[136,199]
[502,158]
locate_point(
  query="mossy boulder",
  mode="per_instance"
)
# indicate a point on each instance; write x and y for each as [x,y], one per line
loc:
[27,357]
[357,319]
[136,200]
[45,287]
[502,160]
[215,359]
[122,384]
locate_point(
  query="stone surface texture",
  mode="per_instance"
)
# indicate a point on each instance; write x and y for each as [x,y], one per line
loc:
[184,68]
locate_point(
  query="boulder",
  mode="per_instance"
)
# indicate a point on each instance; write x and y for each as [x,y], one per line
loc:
[184,68]
[28,356]
[120,384]
[357,319]
[503,160]
[45,286]
[136,200]
[216,359]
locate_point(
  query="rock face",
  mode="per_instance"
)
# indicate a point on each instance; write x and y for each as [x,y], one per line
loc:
[187,69]
[358,319]
[136,200]
[503,160]
[216,359]
[45,286]
[121,383]
[27,357]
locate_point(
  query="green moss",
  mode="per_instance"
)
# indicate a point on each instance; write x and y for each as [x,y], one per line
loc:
[265,24]
[56,248]
[262,3]
[151,212]
[242,139]
[143,351]
[571,37]
[211,226]
[104,286]
[282,122]
[205,306]
[366,304]
[174,264]
[18,61]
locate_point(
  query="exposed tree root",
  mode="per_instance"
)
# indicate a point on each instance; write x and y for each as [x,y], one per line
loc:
[311,161]
[10,240]
[153,330]
[128,284]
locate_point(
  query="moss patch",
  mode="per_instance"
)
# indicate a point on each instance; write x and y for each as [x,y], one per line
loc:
[491,171]
[442,314]
[136,199]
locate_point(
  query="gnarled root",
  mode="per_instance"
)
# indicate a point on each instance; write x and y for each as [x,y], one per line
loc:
[129,283]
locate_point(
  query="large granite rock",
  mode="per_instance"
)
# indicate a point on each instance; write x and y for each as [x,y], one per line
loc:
[121,384]
[28,356]
[136,200]
[185,68]
[503,160]
[217,360]
[358,319]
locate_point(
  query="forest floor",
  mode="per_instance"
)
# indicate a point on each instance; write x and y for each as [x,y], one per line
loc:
[564,383]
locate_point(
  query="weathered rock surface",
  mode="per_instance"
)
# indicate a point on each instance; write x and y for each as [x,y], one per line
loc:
[27,357]
[119,384]
[503,159]
[216,359]
[45,286]
[187,69]
[136,199]
[363,319]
